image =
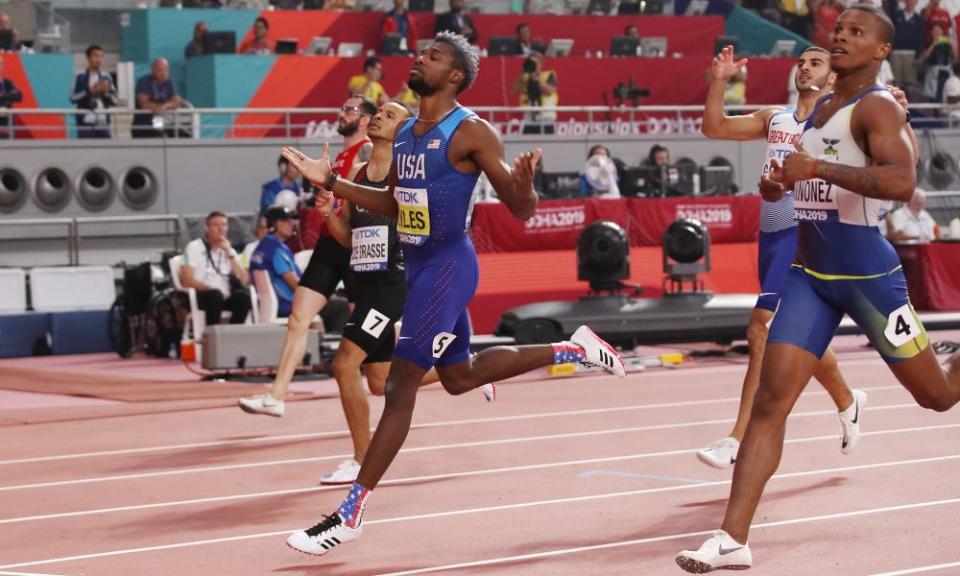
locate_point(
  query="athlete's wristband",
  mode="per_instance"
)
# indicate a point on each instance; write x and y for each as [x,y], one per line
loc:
[331,181]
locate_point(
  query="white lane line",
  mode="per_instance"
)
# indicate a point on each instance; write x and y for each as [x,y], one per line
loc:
[623,543]
[920,569]
[521,505]
[430,448]
[24,574]
[443,476]
[440,424]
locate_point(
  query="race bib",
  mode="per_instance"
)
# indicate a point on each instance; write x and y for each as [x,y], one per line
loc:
[413,220]
[902,326]
[814,200]
[370,249]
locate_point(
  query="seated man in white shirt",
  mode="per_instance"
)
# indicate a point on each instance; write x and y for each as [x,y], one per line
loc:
[951,91]
[911,223]
[211,266]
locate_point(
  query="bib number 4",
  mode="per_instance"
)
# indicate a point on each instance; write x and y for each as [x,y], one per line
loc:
[902,326]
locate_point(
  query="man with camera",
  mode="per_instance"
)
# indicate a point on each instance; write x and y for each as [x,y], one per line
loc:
[537,88]
[212,267]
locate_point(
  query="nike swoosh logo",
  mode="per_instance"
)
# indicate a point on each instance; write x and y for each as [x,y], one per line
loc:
[349,324]
[725,551]
[405,338]
[768,293]
[856,415]
[399,143]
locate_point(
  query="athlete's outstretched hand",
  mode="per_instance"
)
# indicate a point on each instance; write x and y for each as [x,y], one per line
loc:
[524,168]
[724,67]
[801,165]
[314,170]
[771,183]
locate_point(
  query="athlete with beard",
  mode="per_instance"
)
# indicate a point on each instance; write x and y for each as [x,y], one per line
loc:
[781,128]
[857,155]
[437,159]
[329,264]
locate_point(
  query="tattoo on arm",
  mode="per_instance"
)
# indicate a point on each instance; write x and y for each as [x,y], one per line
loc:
[364,154]
[870,181]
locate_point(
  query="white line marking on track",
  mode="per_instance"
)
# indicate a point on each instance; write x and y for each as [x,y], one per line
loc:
[920,569]
[465,474]
[441,424]
[621,544]
[522,505]
[475,444]
[24,574]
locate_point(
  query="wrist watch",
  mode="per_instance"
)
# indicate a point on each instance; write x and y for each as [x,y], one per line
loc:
[331,181]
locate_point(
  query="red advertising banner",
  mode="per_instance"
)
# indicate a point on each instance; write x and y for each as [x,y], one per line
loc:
[556,225]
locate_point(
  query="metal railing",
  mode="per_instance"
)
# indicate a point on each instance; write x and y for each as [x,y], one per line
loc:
[320,123]
[73,228]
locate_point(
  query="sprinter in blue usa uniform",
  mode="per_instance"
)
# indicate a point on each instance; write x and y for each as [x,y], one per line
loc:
[437,159]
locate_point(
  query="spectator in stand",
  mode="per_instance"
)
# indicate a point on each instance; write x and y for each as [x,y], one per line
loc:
[938,58]
[9,95]
[537,87]
[5,21]
[400,21]
[457,21]
[934,15]
[212,267]
[156,95]
[659,156]
[912,223]
[93,91]
[274,257]
[288,180]
[195,47]
[340,4]
[368,84]
[258,44]
[260,232]
[825,16]
[524,39]
[951,91]
[631,31]
[599,175]
[408,98]
[735,93]
[907,42]
[795,16]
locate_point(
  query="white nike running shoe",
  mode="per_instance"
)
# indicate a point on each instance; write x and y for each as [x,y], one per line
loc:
[262,404]
[346,473]
[323,537]
[598,352]
[721,454]
[850,422]
[719,552]
[489,392]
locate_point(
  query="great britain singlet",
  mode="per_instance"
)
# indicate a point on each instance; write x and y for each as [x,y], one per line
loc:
[783,131]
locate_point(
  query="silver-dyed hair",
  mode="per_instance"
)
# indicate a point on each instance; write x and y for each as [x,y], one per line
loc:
[466,57]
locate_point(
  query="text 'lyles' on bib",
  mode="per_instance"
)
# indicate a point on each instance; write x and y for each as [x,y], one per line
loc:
[413,220]
[370,252]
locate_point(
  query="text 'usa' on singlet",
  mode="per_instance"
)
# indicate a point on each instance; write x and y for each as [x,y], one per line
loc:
[433,197]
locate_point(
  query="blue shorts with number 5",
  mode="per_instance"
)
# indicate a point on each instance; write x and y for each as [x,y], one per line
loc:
[812,305]
[436,327]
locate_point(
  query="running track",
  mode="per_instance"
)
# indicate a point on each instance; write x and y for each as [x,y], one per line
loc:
[587,475]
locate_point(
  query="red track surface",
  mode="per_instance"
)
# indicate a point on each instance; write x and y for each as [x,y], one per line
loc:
[589,475]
